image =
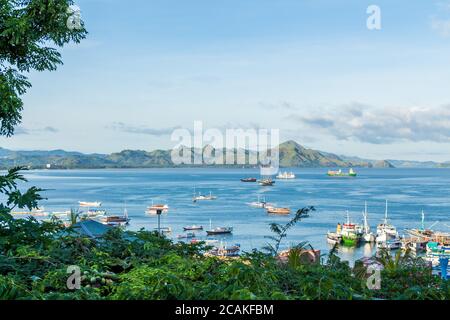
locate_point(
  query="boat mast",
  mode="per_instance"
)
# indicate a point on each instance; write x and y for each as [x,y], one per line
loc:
[423,220]
[366,224]
[386,214]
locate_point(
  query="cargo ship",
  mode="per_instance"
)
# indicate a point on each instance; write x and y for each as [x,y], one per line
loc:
[340,173]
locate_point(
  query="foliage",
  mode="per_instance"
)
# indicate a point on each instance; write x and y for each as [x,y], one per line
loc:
[280,231]
[30,33]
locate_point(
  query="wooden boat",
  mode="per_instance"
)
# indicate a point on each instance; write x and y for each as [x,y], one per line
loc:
[154,208]
[283,211]
[219,230]
[192,228]
[115,220]
[248,180]
[266,182]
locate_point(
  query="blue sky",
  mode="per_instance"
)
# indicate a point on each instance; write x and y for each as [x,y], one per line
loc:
[301,66]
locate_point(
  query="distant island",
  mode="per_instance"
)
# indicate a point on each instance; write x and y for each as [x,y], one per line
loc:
[292,155]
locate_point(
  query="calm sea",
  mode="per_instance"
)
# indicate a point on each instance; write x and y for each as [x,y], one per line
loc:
[409,191]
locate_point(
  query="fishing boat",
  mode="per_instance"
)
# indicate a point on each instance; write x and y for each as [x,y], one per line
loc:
[188,235]
[281,211]
[286,175]
[201,197]
[340,173]
[386,231]
[248,180]
[155,208]
[351,233]
[367,235]
[192,228]
[94,204]
[266,182]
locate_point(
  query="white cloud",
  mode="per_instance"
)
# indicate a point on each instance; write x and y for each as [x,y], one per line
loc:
[364,123]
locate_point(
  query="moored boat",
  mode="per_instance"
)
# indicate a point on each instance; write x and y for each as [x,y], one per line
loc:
[266,182]
[351,233]
[200,197]
[219,230]
[286,175]
[334,238]
[192,228]
[385,230]
[188,235]
[155,208]
[88,204]
[282,211]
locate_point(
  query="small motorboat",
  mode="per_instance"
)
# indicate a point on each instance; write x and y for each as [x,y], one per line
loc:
[260,204]
[219,230]
[192,228]
[266,182]
[95,212]
[188,235]
[226,251]
[282,211]
[248,180]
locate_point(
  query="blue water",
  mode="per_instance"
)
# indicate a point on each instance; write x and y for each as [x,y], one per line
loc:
[408,191]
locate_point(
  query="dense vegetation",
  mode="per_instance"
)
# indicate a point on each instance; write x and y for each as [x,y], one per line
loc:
[34,261]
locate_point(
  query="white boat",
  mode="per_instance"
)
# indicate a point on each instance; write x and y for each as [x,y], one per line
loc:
[188,235]
[154,208]
[95,212]
[115,220]
[367,236]
[200,197]
[391,244]
[193,227]
[261,204]
[334,238]
[94,204]
[386,231]
[286,175]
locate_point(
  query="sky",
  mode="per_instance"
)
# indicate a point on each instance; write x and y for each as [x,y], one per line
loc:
[310,68]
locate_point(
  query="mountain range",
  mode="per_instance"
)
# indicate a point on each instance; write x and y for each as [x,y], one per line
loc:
[291,153]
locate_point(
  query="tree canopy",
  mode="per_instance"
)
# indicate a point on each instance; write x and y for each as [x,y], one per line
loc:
[31,32]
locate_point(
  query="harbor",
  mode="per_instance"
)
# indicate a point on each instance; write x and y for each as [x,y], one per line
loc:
[244,206]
